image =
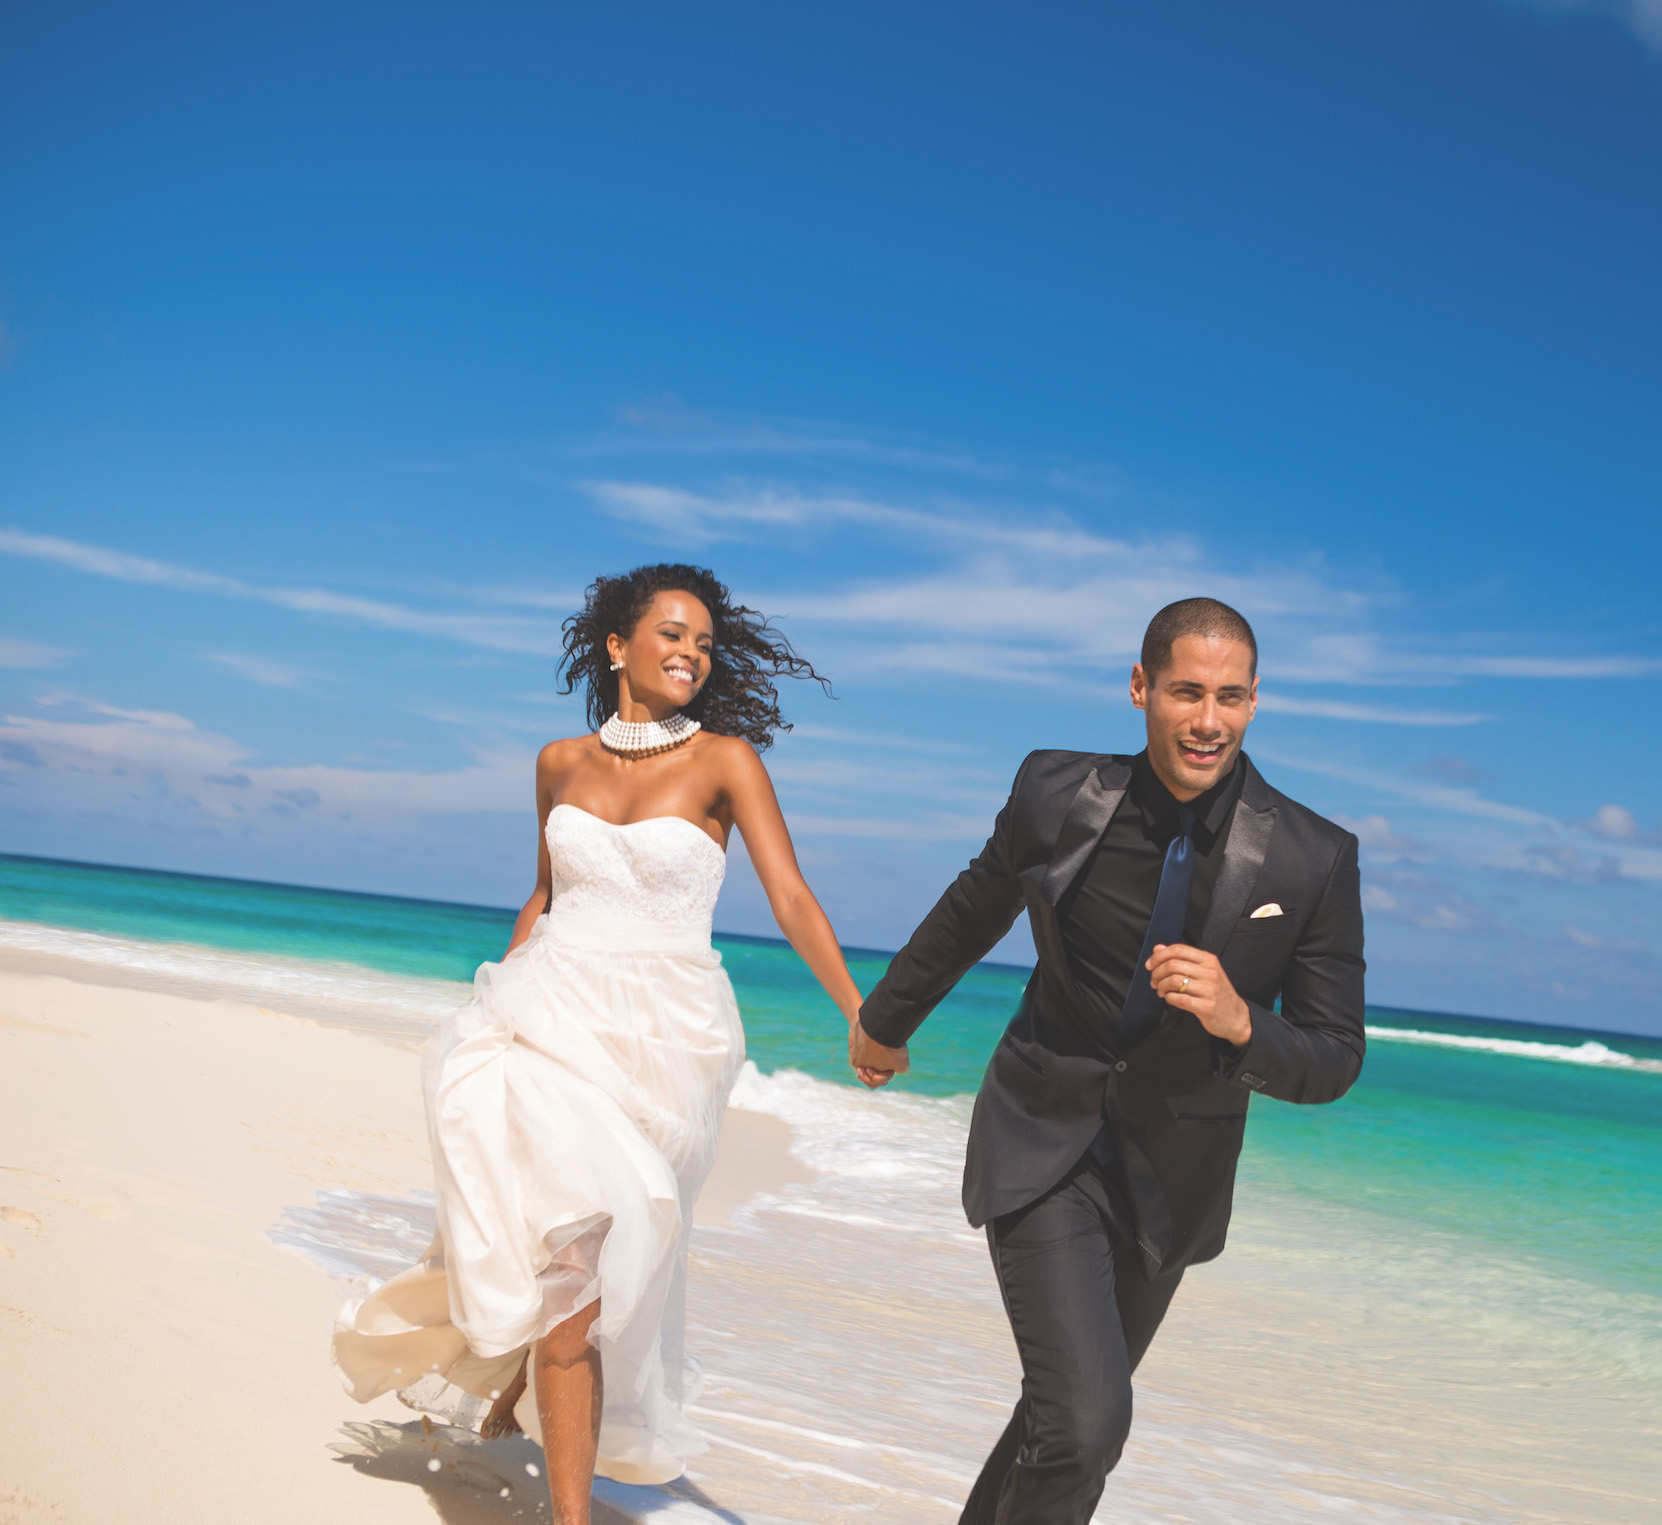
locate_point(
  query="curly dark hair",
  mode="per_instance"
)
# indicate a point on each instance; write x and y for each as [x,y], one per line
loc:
[738,699]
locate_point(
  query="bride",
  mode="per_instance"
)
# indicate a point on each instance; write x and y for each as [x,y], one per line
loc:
[573,1105]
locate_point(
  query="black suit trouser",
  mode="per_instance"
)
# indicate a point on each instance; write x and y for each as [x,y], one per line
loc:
[1083,1314]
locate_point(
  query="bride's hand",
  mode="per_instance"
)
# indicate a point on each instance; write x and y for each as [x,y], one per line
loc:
[874,1063]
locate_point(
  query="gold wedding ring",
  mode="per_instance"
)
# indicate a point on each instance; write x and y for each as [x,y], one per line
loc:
[1184,986]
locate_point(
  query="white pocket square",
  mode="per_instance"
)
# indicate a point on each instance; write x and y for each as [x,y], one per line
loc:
[1272,909]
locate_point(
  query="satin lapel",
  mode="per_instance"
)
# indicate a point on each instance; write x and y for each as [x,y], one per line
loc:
[1243,857]
[1087,818]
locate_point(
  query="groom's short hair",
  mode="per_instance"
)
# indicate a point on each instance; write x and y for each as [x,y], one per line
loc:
[1204,617]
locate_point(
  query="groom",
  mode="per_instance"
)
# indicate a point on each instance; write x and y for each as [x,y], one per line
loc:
[1173,896]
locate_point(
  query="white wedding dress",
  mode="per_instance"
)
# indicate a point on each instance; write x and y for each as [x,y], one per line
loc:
[573,1107]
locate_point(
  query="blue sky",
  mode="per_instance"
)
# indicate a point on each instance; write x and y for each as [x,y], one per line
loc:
[340,345]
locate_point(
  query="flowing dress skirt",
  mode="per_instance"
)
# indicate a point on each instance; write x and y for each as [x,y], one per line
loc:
[573,1108]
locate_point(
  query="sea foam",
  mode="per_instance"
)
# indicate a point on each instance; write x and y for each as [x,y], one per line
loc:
[1591,1052]
[344,993]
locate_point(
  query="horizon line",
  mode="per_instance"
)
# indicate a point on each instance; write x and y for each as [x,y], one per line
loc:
[849,950]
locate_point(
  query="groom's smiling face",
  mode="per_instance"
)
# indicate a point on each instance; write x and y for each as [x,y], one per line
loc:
[1198,705]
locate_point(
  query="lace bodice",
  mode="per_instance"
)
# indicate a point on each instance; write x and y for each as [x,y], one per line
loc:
[663,870]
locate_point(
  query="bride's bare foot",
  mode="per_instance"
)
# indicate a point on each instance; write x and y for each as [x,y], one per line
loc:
[500,1422]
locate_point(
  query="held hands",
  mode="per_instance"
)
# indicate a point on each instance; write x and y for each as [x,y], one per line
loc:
[1194,982]
[875,1064]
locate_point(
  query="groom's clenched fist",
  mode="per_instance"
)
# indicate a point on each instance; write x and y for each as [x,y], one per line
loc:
[875,1063]
[1194,981]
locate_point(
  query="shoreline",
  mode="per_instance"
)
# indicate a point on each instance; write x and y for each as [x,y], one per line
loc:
[758,939]
[858,1365]
[352,997]
[402,1007]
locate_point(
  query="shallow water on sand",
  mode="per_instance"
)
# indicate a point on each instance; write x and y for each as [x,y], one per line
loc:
[1336,1361]
[1331,1364]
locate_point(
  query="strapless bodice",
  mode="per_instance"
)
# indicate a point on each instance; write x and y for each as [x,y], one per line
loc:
[631,887]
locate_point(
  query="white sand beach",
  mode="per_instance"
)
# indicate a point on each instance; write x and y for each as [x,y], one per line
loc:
[166,1360]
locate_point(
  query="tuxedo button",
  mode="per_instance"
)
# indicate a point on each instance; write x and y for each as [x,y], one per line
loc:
[1255,1081]
[1122,1066]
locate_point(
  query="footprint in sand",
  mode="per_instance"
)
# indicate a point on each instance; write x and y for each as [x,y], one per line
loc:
[23,1218]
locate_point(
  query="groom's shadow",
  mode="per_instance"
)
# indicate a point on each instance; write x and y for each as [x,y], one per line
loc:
[494,1482]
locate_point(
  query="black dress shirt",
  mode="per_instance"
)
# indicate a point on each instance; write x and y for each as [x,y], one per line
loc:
[1104,916]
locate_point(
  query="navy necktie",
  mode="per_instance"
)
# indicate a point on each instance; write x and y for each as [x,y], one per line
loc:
[1142,1010]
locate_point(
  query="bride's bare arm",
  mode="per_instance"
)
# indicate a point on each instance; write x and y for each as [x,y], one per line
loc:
[761,823]
[549,763]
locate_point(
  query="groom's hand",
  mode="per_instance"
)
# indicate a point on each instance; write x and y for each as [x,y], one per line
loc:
[1194,981]
[873,1062]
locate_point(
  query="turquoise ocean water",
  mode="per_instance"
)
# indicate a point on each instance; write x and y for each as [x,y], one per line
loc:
[1535,1142]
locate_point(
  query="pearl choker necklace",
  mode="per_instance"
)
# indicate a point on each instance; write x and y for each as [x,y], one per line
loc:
[645,738]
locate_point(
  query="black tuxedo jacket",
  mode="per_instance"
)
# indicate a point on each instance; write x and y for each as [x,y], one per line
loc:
[1175,1104]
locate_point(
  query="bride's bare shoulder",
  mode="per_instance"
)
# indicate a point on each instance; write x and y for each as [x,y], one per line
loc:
[726,748]
[733,758]
[558,757]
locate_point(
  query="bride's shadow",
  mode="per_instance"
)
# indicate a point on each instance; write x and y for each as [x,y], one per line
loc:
[493,1482]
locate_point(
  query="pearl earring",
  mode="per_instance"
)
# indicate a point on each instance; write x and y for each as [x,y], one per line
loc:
[617,667]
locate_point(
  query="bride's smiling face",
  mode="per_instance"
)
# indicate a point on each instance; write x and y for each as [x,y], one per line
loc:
[666,658]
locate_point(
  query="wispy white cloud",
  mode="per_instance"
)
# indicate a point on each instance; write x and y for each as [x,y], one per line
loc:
[1643,16]
[560,719]
[1524,841]
[96,755]
[31,654]
[1023,596]
[1043,617]
[100,755]
[1046,604]
[933,828]
[561,601]
[915,777]
[1451,798]
[1017,597]
[100,561]
[1615,823]
[1570,858]
[1604,944]
[1565,860]
[878,739]
[1443,911]
[1380,841]
[1449,770]
[1333,709]
[752,513]
[1550,667]
[493,631]
[668,427]
[256,669]
[161,720]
